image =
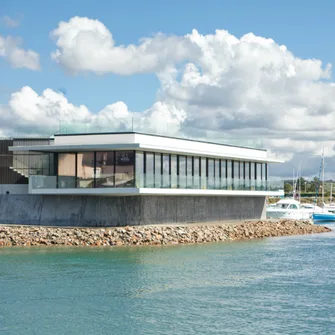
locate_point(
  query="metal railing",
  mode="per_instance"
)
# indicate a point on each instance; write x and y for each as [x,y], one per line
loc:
[119,125]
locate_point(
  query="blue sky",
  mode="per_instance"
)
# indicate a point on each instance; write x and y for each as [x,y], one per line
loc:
[306,28]
[249,89]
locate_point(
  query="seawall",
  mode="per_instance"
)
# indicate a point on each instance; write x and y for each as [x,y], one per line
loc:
[113,211]
[152,235]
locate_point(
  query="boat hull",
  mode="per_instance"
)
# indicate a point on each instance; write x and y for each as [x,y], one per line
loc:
[290,215]
[324,217]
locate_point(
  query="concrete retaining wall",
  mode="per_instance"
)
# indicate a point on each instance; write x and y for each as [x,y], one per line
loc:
[14,188]
[90,211]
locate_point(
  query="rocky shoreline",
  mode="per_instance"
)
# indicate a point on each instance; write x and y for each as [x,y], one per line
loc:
[152,235]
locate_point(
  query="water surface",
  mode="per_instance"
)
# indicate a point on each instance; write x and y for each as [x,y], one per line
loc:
[273,286]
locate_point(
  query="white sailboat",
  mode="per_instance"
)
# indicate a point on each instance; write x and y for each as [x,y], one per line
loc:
[326,214]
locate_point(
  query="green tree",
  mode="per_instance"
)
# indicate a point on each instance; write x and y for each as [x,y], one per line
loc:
[288,188]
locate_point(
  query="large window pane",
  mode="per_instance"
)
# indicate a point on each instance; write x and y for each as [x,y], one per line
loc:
[236,173]
[242,184]
[229,175]
[174,171]
[196,172]
[124,169]
[223,174]
[66,170]
[210,173]
[252,175]
[203,171]
[149,169]
[217,174]
[182,172]
[85,170]
[105,173]
[263,171]
[158,171]
[258,171]
[166,171]
[189,172]
[241,170]
[139,169]
[266,171]
[247,175]
[259,176]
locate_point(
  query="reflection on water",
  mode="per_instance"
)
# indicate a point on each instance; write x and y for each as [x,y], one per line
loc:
[270,286]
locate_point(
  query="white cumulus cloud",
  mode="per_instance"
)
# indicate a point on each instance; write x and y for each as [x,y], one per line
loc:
[219,86]
[16,56]
[87,45]
[28,113]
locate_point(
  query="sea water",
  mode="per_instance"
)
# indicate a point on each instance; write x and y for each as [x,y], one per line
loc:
[271,286]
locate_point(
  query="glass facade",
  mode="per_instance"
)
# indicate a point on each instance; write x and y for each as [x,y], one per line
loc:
[127,169]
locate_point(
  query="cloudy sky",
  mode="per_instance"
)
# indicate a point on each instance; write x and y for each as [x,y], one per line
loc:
[235,70]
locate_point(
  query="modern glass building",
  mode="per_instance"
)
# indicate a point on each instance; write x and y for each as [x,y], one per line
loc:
[132,178]
[135,163]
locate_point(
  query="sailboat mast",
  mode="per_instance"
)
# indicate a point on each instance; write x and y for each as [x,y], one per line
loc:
[323,176]
[299,182]
[293,185]
[331,192]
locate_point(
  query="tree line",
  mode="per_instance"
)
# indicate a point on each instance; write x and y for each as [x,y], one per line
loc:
[308,187]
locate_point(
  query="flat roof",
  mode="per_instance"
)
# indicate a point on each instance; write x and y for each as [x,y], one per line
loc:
[218,142]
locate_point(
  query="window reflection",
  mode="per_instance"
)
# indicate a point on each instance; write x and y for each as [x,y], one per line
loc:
[203,172]
[217,173]
[66,170]
[229,174]
[182,171]
[252,175]
[124,168]
[258,171]
[173,171]
[85,170]
[149,169]
[196,172]
[158,171]
[210,173]
[166,170]
[247,174]
[139,161]
[105,166]
[189,172]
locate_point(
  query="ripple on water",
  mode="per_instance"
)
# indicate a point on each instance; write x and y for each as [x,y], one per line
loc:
[271,286]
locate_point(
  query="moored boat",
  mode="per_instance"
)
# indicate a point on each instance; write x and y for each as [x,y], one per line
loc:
[324,216]
[292,209]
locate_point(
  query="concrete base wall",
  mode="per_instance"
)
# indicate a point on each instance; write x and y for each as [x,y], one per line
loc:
[13,188]
[52,210]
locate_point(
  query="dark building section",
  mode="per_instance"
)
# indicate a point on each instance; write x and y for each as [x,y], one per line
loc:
[7,174]
[11,166]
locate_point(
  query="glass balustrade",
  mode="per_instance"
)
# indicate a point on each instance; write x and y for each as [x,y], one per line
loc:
[162,182]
